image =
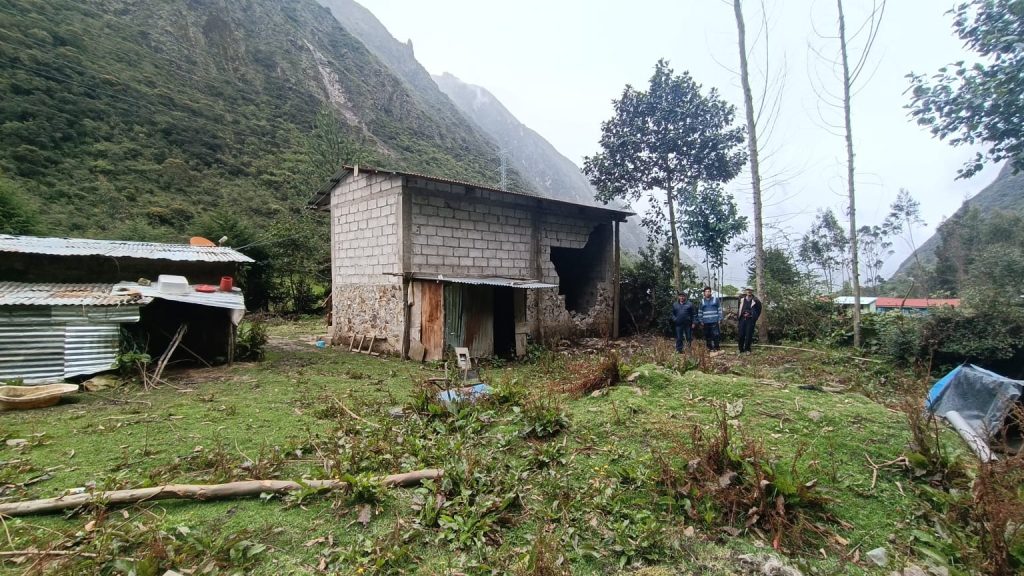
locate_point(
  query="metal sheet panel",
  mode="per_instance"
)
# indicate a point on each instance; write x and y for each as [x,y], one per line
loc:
[490,281]
[32,352]
[478,320]
[90,348]
[119,249]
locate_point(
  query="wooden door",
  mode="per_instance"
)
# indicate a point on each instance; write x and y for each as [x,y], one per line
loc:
[432,319]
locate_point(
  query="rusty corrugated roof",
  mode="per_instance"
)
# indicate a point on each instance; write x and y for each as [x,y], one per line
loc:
[119,249]
[46,294]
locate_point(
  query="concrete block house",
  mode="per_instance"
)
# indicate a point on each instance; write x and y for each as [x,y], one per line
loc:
[423,264]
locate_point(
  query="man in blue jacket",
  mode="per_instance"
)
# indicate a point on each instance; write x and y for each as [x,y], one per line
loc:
[683,317]
[710,318]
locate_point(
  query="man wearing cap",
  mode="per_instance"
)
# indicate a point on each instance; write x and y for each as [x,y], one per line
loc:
[749,311]
[710,317]
[683,317]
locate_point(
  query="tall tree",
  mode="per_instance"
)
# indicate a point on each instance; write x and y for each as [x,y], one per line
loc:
[710,221]
[982,102]
[850,75]
[668,139]
[752,150]
[823,246]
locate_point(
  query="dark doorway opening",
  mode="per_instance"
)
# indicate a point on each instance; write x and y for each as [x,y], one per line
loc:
[580,270]
[504,322]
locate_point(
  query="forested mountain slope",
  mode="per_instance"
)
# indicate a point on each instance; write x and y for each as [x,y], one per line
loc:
[1006,192]
[135,119]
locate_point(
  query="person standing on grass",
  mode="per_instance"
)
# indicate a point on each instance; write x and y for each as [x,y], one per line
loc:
[683,317]
[710,319]
[749,311]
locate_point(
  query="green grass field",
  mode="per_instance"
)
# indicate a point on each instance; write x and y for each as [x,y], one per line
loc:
[537,481]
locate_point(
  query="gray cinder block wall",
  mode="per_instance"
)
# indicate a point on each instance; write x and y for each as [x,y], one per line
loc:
[390,226]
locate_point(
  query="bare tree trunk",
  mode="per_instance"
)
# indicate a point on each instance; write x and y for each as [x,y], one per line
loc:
[677,265]
[854,264]
[199,492]
[755,170]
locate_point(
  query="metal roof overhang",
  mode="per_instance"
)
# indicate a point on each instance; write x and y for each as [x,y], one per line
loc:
[487,281]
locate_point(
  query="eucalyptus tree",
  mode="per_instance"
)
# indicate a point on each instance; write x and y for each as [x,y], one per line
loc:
[661,144]
[824,246]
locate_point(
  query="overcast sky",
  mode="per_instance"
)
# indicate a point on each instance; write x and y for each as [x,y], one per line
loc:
[557,65]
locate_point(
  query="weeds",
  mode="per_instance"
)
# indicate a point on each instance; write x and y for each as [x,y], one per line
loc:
[584,377]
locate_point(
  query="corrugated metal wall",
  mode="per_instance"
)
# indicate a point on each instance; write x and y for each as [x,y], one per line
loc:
[469,318]
[50,343]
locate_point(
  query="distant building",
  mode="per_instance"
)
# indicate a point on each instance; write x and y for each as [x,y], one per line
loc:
[915,305]
[867,303]
[420,264]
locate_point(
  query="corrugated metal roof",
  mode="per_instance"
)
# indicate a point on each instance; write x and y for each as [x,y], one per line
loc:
[47,294]
[325,190]
[492,281]
[119,249]
[230,300]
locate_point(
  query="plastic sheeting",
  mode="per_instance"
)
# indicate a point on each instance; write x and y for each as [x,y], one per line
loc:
[982,398]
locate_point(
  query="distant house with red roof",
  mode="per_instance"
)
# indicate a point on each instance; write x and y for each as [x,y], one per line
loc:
[914,305]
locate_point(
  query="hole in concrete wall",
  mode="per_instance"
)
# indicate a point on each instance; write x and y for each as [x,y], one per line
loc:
[581,270]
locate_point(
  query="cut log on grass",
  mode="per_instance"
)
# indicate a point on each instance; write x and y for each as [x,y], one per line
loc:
[199,492]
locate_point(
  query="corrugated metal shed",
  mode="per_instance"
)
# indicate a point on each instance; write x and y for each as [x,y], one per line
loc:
[119,249]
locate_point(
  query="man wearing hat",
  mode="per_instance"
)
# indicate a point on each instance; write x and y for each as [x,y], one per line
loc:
[749,311]
[683,317]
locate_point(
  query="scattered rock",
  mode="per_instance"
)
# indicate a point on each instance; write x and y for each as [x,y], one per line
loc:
[938,571]
[766,565]
[599,393]
[17,442]
[101,382]
[912,570]
[815,415]
[726,479]
[734,409]
[878,556]
[632,377]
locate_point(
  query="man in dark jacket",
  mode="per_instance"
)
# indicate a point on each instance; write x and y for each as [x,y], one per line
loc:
[748,313]
[683,315]
[710,313]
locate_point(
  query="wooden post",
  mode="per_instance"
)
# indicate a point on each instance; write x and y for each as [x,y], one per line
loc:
[615,282]
[405,262]
[535,265]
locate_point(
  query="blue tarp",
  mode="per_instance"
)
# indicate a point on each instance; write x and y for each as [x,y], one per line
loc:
[983,398]
[470,393]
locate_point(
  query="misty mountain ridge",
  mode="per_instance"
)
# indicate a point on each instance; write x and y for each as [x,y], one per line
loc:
[1006,192]
[135,120]
[527,153]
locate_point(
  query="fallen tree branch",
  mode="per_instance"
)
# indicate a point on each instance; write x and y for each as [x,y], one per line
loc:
[818,352]
[199,492]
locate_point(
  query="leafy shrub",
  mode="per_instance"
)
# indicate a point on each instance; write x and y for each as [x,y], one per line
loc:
[252,339]
[542,418]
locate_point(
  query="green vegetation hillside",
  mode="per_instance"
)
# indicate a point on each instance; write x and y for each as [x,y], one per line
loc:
[136,119]
[1005,193]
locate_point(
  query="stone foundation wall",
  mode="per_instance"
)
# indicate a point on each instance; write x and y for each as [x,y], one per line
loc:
[368,310]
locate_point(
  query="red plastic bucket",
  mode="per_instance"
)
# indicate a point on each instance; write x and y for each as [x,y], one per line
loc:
[226,283]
